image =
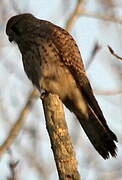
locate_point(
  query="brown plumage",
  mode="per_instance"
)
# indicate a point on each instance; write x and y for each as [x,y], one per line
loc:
[52,62]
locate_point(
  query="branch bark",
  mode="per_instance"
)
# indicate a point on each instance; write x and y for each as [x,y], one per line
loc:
[60,141]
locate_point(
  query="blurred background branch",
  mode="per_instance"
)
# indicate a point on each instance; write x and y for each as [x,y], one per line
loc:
[73,16]
[100,16]
[18,124]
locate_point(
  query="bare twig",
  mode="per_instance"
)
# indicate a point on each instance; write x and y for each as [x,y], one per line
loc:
[73,15]
[12,166]
[100,16]
[96,48]
[59,137]
[113,53]
[18,124]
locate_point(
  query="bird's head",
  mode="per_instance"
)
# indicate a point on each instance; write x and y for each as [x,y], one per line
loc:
[19,25]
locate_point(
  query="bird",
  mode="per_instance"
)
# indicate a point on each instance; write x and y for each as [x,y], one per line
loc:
[52,61]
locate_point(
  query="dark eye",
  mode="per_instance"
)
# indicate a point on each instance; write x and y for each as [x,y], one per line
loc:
[14,28]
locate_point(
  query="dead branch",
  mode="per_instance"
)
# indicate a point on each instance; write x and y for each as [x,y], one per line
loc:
[18,124]
[59,138]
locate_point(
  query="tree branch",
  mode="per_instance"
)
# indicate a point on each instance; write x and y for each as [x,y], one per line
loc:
[59,138]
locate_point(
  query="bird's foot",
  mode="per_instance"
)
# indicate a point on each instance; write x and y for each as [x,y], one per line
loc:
[43,93]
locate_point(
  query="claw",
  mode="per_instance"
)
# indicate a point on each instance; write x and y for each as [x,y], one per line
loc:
[43,93]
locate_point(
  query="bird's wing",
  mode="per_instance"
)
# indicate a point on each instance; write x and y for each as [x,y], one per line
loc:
[71,57]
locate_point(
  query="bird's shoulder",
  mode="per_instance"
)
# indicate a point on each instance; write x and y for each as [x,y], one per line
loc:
[63,41]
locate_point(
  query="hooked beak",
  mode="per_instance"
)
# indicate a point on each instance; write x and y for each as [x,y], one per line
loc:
[10,38]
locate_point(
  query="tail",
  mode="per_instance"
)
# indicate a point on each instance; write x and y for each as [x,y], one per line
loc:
[101,137]
[98,132]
